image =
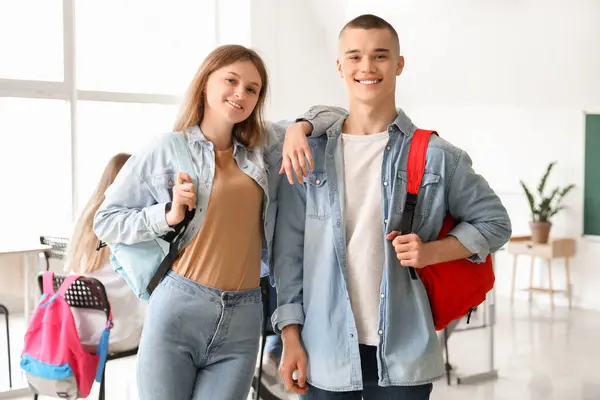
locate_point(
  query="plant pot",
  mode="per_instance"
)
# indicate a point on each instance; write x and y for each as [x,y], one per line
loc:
[540,231]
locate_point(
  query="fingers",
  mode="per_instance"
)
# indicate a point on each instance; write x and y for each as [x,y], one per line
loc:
[302,374]
[392,235]
[287,165]
[185,195]
[308,156]
[298,169]
[404,247]
[286,374]
[410,238]
[182,177]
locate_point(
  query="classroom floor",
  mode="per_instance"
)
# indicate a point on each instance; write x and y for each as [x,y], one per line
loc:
[539,355]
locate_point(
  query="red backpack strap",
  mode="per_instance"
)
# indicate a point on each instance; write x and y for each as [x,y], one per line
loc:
[417,158]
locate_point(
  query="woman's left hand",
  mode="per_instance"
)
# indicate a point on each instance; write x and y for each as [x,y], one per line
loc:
[297,157]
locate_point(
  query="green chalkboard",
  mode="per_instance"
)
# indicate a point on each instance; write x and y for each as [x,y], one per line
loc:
[591,189]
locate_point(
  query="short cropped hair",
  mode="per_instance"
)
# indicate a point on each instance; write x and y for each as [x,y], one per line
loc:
[370,21]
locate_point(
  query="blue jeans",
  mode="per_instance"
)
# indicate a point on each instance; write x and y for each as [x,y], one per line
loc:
[198,342]
[371,390]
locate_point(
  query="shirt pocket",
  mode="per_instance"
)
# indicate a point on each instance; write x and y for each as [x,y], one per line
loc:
[426,196]
[162,186]
[317,195]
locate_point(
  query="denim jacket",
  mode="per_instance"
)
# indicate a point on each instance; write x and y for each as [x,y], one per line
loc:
[311,261]
[134,207]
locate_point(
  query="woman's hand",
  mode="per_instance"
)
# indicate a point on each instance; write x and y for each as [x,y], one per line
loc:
[184,196]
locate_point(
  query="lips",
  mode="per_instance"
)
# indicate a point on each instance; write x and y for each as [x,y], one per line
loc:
[235,105]
[368,81]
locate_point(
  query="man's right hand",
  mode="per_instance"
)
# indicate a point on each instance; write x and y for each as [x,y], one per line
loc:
[293,359]
[184,195]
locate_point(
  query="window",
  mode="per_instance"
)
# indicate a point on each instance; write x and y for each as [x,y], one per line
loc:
[35,165]
[125,64]
[106,129]
[32,40]
[140,45]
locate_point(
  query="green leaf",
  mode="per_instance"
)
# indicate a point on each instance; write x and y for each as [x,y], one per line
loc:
[545,178]
[530,199]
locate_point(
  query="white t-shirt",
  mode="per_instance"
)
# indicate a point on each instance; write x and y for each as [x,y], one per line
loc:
[128,314]
[363,157]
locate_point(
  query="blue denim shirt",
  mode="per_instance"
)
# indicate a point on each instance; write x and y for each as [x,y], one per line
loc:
[134,207]
[311,261]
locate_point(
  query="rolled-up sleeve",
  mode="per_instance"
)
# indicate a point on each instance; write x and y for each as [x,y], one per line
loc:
[483,222]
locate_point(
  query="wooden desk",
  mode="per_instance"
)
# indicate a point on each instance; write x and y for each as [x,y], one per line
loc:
[555,248]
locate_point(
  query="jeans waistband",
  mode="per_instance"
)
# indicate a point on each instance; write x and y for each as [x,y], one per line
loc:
[216,295]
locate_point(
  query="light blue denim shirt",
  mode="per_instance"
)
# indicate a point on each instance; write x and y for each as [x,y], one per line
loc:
[311,262]
[134,207]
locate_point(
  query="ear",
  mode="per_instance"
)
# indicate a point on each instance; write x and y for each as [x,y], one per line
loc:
[338,67]
[400,66]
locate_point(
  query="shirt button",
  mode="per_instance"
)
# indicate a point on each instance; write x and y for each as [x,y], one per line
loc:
[245,166]
[385,183]
[318,182]
[382,296]
[170,182]
[380,332]
[385,220]
[387,148]
[338,223]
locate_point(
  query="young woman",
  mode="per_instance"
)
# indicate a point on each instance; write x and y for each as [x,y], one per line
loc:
[201,334]
[83,259]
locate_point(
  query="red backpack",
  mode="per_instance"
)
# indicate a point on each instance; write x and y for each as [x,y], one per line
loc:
[454,288]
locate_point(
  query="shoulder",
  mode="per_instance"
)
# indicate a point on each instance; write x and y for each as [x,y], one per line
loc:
[156,154]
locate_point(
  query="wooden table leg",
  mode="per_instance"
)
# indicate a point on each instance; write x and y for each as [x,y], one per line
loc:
[550,283]
[531,278]
[568,272]
[514,278]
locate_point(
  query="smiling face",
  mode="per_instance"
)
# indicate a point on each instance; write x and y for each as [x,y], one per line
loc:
[232,92]
[369,62]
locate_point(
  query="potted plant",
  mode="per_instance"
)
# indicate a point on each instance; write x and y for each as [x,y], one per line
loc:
[545,207]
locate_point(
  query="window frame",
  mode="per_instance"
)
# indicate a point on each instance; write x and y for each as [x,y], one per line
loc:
[67,91]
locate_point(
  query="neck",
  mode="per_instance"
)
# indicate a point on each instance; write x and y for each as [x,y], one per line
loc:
[217,131]
[366,119]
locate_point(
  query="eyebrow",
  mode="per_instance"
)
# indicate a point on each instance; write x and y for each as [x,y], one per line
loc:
[377,50]
[252,83]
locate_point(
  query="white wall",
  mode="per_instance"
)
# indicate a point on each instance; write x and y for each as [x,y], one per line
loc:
[507,81]
[286,35]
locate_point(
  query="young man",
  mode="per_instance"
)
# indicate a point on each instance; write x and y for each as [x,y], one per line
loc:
[353,322]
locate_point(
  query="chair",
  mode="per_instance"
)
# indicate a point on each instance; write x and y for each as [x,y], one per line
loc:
[58,251]
[262,391]
[88,293]
[4,310]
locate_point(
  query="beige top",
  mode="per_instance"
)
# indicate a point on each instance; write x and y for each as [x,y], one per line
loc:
[226,252]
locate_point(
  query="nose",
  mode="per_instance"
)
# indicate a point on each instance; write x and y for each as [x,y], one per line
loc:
[239,92]
[367,65]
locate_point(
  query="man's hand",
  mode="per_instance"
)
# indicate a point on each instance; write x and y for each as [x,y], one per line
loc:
[410,250]
[293,359]
[296,152]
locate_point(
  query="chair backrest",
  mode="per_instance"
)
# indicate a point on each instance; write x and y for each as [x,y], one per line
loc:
[58,244]
[85,292]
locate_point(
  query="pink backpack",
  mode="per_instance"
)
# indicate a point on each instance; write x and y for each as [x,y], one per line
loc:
[55,362]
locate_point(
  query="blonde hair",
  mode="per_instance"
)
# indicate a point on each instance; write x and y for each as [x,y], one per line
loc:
[247,132]
[82,256]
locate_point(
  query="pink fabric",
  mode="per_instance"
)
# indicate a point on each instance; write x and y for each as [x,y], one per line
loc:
[52,336]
